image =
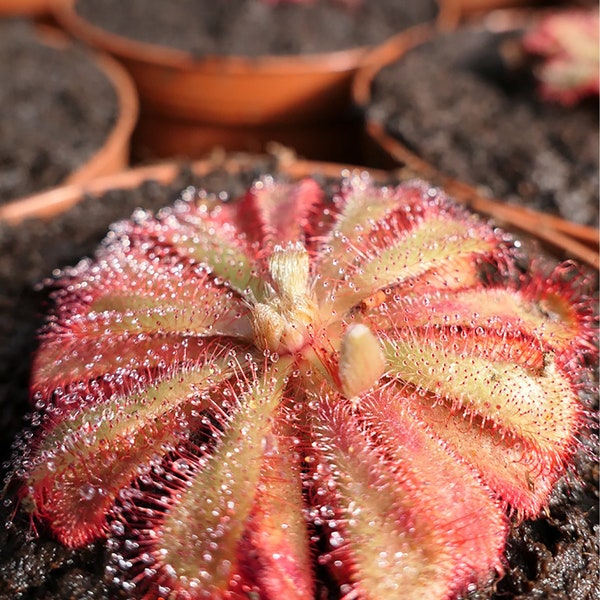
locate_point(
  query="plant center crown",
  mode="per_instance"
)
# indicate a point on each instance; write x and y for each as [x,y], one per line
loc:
[282,322]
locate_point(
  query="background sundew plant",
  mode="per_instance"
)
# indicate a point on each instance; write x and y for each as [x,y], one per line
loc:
[240,394]
[566,45]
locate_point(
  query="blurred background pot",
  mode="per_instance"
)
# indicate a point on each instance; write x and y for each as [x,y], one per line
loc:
[190,102]
[385,146]
[225,89]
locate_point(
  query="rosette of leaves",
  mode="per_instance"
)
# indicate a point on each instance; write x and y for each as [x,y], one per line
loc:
[240,394]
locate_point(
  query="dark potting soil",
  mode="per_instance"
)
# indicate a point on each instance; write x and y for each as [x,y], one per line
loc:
[256,27]
[552,557]
[57,110]
[458,104]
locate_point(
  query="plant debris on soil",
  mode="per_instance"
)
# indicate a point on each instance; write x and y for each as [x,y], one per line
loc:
[554,556]
[57,110]
[256,27]
[458,103]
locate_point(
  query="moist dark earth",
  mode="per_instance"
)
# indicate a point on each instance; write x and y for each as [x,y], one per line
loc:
[56,110]
[553,557]
[459,103]
[255,27]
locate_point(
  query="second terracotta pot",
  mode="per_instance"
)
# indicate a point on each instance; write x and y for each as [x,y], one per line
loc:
[233,90]
[384,150]
[191,105]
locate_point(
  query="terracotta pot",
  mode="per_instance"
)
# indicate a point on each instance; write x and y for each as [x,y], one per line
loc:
[191,105]
[232,90]
[55,201]
[28,8]
[113,155]
[578,241]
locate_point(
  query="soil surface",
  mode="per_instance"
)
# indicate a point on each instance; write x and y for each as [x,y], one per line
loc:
[457,102]
[57,110]
[257,27]
[553,557]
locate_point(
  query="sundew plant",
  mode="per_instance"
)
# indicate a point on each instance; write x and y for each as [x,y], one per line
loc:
[242,395]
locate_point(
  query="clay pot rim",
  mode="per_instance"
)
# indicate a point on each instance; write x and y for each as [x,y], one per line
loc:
[49,203]
[580,241]
[172,58]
